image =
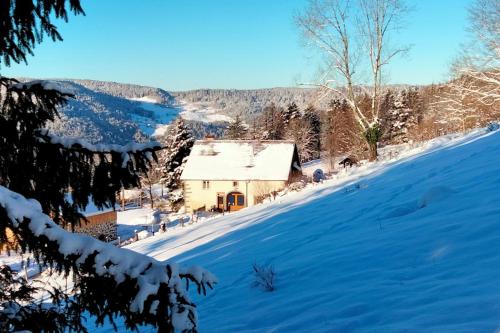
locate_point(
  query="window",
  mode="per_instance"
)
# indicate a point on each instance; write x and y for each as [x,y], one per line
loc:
[235,184]
[206,184]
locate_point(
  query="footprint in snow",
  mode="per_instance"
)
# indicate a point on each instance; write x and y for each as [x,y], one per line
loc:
[431,196]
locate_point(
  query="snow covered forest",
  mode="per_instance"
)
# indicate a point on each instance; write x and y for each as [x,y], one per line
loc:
[108,112]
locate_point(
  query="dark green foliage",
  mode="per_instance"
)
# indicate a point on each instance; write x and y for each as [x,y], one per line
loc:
[236,130]
[400,111]
[23,23]
[291,112]
[271,123]
[372,134]
[101,295]
[31,164]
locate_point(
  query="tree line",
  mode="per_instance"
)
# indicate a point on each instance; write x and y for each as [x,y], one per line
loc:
[331,132]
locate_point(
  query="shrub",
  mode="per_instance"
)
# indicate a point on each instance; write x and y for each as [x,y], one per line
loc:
[297,186]
[264,276]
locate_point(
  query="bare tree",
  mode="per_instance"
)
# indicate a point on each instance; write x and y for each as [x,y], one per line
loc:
[472,97]
[454,108]
[339,138]
[353,34]
[149,179]
[477,71]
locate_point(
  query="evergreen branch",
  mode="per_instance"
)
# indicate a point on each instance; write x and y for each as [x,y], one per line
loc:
[136,284]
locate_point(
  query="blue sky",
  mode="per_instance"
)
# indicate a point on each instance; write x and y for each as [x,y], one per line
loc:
[190,44]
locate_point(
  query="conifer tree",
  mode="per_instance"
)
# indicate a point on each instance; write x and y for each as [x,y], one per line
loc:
[300,131]
[236,130]
[400,111]
[271,123]
[38,169]
[312,117]
[291,112]
[178,142]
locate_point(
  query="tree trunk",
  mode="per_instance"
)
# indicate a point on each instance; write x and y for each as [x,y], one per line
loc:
[123,199]
[373,151]
[151,195]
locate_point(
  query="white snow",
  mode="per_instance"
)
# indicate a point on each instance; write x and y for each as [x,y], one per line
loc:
[239,160]
[202,112]
[124,150]
[409,244]
[162,116]
[46,84]
[146,99]
[70,142]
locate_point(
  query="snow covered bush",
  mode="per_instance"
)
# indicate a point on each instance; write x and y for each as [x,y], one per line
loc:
[296,186]
[176,200]
[493,126]
[264,276]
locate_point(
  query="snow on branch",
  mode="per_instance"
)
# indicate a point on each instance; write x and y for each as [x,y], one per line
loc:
[72,143]
[45,84]
[77,143]
[109,261]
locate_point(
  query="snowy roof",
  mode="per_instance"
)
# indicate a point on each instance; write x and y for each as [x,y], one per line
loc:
[239,160]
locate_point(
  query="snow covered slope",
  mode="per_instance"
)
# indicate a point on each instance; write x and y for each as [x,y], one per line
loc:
[110,112]
[405,246]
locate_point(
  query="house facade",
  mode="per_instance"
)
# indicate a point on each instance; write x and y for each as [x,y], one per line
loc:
[227,175]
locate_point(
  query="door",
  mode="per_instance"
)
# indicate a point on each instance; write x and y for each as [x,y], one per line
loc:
[235,201]
[220,202]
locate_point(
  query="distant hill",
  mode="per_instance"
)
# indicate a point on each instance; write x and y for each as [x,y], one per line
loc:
[128,91]
[249,103]
[110,112]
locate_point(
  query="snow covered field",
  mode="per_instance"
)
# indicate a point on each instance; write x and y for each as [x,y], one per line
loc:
[409,245]
[201,112]
[162,116]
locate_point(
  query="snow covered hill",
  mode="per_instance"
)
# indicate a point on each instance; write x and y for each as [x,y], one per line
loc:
[404,246]
[110,112]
